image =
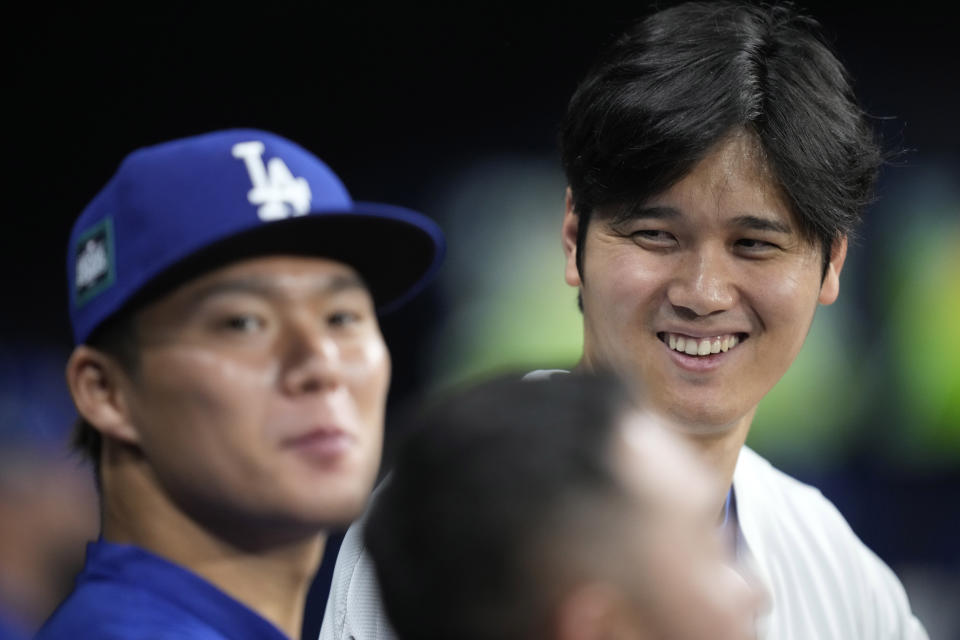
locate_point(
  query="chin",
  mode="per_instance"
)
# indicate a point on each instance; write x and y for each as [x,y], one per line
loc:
[338,513]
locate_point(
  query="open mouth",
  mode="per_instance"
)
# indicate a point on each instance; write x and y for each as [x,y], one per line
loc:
[701,346]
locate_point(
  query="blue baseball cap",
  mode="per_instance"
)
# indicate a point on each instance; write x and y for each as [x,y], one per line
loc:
[179,208]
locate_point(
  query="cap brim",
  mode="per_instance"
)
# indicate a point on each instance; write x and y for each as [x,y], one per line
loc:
[395,250]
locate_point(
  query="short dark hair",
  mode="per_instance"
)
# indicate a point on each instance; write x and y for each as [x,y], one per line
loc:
[487,481]
[687,77]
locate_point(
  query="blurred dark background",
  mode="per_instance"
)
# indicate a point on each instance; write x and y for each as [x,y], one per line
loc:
[452,109]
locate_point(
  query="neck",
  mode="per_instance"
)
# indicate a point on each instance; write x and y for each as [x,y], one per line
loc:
[271,578]
[720,451]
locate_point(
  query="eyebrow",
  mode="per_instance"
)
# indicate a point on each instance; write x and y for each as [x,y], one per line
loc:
[640,212]
[753,222]
[758,223]
[266,288]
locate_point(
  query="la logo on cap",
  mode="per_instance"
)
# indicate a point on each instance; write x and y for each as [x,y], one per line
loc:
[276,192]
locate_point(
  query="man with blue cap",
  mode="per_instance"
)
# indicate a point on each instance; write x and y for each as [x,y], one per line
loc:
[231,380]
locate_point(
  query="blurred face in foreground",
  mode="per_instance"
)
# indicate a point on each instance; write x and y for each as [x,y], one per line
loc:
[259,398]
[692,590]
[668,572]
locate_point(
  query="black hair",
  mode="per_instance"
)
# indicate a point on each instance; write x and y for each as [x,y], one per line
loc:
[478,489]
[685,78]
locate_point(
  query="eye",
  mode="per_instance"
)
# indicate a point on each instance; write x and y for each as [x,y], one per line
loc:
[756,246]
[243,323]
[654,238]
[343,318]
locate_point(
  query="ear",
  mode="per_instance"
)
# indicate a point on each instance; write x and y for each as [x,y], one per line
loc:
[594,611]
[830,287]
[569,238]
[96,383]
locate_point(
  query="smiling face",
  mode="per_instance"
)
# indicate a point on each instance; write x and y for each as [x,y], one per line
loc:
[260,393]
[704,294]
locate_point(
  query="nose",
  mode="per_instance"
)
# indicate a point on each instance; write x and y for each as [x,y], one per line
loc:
[702,284]
[311,361]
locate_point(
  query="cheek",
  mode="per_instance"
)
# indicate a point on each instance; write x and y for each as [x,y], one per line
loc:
[679,580]
[203,395]
[208,375]
[367,373]
[729,605]
[797,279]
[787,303]
[619,282]
[692,580]
[785,286]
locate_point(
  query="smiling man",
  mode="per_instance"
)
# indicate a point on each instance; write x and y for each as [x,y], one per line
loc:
[717,163]
[707,289]
[231,379]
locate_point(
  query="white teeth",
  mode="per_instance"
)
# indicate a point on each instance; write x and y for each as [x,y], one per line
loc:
[702,346]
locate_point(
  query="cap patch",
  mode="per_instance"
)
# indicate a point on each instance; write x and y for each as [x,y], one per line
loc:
[95,267]
[277,193]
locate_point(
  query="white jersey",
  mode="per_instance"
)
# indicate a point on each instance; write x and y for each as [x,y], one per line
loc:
[825,584]
[823,581]
[354,610]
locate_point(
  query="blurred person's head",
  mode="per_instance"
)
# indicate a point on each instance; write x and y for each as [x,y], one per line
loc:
[717,163]
[48,509]
[229,367]
[551,509]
